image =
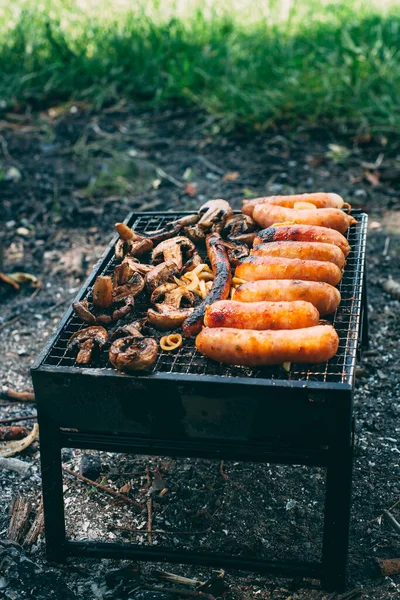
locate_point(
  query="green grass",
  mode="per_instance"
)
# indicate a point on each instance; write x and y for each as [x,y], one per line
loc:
[248,62]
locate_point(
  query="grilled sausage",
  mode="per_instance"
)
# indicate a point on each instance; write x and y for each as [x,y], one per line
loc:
[216,252]
[267,214]
[261,315]
[258,348]
[253,268]
[303,233]
[323,296]
[318,199]
[303,250]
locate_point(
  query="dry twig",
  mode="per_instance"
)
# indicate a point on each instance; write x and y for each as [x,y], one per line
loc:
[390,519]
[227,478]
[182,593]
[149,520]
[104,488]
[16,419]
[15,396]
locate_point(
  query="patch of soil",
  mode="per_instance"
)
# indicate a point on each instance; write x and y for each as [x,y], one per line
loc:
[67,176]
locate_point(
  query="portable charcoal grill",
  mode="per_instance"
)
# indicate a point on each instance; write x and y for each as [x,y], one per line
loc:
[190,406]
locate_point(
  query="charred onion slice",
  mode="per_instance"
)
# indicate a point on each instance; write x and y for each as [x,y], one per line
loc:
[133,353]
[171,342]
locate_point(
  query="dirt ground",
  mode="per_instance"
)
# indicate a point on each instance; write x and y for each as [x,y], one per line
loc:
[66,176]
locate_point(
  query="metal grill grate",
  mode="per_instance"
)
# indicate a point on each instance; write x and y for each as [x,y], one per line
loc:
[187,360]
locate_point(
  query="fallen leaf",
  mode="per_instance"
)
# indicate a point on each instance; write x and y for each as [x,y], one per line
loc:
[13,174]
[125,489]
[6,279]
[191,189]
[248,193]
[231,176]
[11,448]
[187,174]
[337,153]
[20,277]
[373,178]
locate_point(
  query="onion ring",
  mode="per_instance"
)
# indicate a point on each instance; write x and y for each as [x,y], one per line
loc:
[171,342]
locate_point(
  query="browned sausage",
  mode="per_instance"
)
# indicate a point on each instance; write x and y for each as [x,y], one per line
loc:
[303,250]
[267,214]
[319,199]
[220,290]
[323,296]
[253,268]
[303,233]
[258,348]
[261,315]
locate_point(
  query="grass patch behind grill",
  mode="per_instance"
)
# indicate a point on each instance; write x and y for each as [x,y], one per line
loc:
[246,63]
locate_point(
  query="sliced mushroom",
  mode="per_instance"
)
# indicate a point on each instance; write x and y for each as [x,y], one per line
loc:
[173,304]
[135,265]
[172,228]
[130,242]
[87,340]
[193,262]
[176,249]
[213,215]
[133,329]
[161,274]
[132,287]
[125,310]
[240,228]
[236,252]
[133,353]
[102,295]
[81,309]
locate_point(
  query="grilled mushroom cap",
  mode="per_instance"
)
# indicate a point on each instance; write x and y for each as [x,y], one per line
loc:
[130,242]
[168,300]
[133,286]
[240,228]
[172,228]
[81,309]
[133,353]
[236,252]
[214,212]
[160,274]
[213,215]
[174,249]
[194,261]
[86,340]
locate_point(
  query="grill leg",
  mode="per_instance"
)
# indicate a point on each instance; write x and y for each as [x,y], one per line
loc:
[337,518]
[53,503]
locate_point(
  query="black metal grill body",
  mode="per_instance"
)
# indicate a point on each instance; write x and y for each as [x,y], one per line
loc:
[191,406]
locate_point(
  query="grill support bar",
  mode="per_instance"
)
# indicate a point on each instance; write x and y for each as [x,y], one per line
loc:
[337,458]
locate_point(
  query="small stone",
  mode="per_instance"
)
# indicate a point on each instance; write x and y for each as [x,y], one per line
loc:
[67,454]
[90,466]
[23,231]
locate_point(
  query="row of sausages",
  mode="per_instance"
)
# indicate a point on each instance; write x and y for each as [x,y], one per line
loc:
[290,276]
